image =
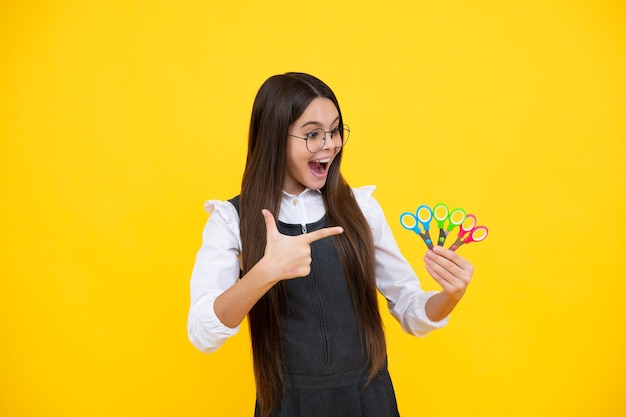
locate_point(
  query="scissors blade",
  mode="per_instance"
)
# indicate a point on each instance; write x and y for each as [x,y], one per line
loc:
[426,237]
[442,237]
[457,243]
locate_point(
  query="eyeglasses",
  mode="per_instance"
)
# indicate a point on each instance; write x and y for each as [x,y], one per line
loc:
[316,138]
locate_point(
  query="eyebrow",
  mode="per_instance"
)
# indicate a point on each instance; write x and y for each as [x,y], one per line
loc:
[316,123]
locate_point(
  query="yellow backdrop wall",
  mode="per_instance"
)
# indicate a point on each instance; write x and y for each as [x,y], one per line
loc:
[119,118]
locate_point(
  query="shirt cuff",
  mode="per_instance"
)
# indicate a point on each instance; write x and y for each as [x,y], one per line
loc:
[206,332]
[416,321]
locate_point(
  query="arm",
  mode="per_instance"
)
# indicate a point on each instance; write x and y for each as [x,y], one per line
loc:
[215,270]
[418,311]
[395,277]
[285,257]
[234,304]
[220,301]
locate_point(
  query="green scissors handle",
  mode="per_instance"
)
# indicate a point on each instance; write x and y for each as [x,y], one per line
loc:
[441,213]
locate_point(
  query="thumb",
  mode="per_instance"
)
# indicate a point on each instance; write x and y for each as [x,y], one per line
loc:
[270,224]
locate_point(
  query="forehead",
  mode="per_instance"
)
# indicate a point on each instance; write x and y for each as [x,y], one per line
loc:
[321,111]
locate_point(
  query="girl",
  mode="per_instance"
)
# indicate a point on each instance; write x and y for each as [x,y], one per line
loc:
[308,282]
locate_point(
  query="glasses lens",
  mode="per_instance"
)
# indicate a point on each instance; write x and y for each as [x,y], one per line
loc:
[315,140]
[346,135]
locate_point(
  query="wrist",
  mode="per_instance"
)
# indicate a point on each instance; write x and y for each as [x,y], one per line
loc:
[265,273]
[440,306]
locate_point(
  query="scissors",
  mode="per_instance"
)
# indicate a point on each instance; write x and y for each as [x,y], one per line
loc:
[454,218]
[423,215]
[474,233]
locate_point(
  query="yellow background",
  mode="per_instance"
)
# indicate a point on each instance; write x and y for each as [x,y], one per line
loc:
[119,118]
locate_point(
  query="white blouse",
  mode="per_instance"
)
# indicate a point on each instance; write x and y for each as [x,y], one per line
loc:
[217,266]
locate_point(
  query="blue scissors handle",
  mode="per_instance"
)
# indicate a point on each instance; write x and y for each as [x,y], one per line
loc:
[413,222]
[414,225]
[424,215]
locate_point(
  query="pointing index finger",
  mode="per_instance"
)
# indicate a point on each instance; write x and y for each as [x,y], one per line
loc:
[321,234]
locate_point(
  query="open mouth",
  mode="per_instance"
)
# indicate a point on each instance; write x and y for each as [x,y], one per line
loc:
[320,166]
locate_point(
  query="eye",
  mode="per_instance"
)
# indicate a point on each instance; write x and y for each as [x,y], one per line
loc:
[315,134]
[335,131]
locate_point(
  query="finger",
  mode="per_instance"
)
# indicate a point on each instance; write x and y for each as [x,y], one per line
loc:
[321,234]
[440,267]
[454,270]
[443,267]
[454,286]
[270,224]
[451,256]
[433,273]
[447,286]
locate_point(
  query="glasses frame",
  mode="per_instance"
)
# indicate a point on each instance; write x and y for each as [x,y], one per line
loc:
[343,142]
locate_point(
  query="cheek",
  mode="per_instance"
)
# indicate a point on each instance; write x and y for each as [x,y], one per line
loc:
[295,161]
[337,158]
[296,149]
[297,153]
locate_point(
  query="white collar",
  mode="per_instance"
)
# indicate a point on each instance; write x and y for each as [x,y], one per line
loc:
[302,194]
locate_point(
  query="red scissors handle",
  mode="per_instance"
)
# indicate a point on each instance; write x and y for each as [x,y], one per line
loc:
[474,233]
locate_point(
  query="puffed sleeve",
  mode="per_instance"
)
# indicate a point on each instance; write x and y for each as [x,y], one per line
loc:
[216,269]
[395,277]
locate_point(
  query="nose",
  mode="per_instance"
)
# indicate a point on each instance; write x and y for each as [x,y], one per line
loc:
[329,141]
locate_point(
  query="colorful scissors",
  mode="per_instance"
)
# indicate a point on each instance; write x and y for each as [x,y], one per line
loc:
[423,215]
[474,233]
[454,218]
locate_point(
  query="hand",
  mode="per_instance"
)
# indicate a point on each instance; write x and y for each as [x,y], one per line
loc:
[290,256]
[450,270]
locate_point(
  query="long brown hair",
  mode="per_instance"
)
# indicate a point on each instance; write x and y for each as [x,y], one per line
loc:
[280,101]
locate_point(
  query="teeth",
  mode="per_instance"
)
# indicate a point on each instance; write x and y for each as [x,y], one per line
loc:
[323,161]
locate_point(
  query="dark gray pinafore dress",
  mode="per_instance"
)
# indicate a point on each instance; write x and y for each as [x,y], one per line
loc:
[325,354]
